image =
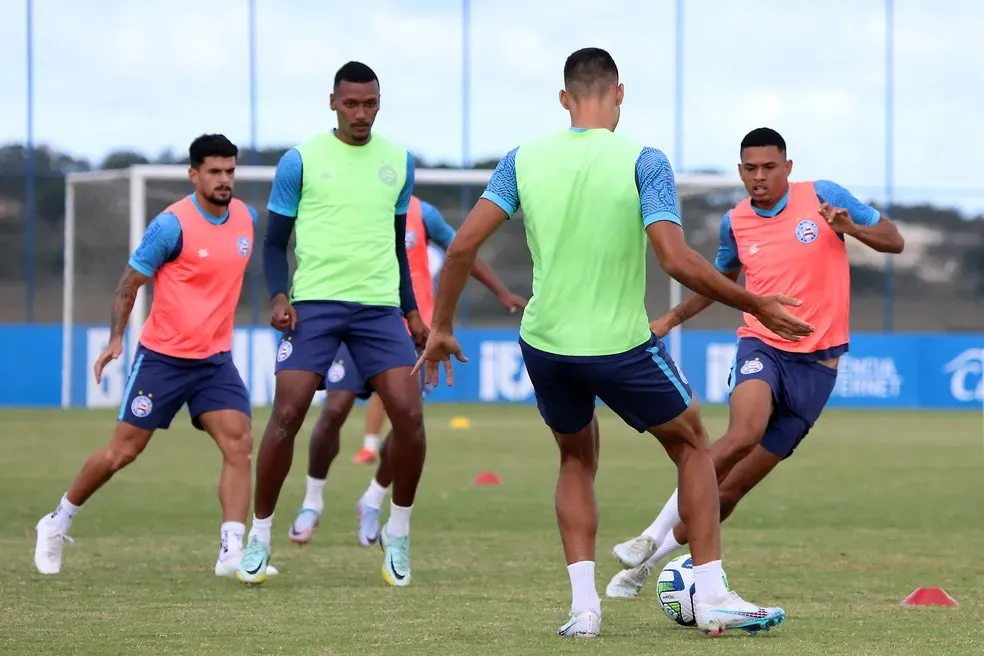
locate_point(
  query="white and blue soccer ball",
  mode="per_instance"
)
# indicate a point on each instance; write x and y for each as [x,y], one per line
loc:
[675,590]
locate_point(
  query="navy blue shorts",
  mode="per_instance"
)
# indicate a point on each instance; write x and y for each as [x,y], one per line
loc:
[344,376]
[158,385]
[800,390]
[376,337]
[642,386]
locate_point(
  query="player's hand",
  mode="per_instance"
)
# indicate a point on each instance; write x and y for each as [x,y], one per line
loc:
[439,349]
[838,218]
[661,327]
[418,329]
[282,314]
[112,352]
[512,301]
[774,316]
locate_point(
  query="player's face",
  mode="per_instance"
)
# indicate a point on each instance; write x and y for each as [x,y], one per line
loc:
[765,173]
[215,179]
[356,105]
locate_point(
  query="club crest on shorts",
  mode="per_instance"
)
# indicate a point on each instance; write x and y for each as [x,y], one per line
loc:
[141,406]
[336,372]
[242,245]
[806,231]
[411,239]
[286,348]
[751,367]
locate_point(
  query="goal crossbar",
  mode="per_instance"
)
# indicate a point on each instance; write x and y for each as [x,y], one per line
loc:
[137,176]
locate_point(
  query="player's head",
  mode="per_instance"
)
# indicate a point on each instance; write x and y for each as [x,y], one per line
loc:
[591,85]
[212,160]
[355,98]
[764,168]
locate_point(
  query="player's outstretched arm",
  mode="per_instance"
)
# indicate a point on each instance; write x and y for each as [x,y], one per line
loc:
[440,232]
[847,215]
[727,262]
[126,295]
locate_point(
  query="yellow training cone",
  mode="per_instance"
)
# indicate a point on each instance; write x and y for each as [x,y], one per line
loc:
[460,423]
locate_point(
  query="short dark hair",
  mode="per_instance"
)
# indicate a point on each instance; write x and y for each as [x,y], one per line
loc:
[210,145]
[589,71]
[356,72]
[761,138]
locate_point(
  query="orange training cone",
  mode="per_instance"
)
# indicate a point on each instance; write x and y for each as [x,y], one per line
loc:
[487,478]
[929,597]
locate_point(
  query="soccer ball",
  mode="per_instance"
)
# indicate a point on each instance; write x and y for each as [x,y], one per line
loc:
[675,590]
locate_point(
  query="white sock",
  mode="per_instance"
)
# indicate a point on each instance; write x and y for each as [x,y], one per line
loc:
[261,529]
[374,495]
[709,580]
[231,535]
[398,524]
[668,545]
[63,514]
[668,517]
[313,498]
[584,594]
[371,442]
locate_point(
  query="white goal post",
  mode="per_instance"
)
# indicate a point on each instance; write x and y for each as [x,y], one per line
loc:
[136,178]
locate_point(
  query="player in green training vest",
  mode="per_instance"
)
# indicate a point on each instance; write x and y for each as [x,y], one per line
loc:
[345,195]
[589,199]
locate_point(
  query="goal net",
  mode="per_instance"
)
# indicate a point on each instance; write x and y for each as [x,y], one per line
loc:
[106,215]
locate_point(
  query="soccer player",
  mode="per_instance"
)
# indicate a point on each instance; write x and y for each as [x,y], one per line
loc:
[346,194]
[590,198]
[345,383]
[787,237]
[196,252]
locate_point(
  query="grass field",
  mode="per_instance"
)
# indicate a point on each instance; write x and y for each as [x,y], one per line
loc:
[872,506]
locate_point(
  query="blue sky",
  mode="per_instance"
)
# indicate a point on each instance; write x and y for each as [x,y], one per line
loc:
[153,74]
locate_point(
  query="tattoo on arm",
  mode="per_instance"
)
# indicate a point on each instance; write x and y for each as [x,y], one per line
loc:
[126,295]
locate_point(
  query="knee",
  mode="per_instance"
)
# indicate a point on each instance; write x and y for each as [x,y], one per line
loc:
[119,454]
[408,416]
[737,443]
[237,448]
[579,451]
[288,417]
[334,415]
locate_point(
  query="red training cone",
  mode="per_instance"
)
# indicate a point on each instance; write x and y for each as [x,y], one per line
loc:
[487,478]
[929,597]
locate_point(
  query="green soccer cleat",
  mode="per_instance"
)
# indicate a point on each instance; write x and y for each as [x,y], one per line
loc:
[253,566]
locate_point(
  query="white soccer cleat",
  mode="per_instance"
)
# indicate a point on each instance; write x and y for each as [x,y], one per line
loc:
[228,564]
[582,625]
[628,583]
[49,546]
[368,531]
[733,612]
[636,551]
[302,530]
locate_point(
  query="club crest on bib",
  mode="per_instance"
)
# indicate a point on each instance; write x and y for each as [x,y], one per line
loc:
[387,175]
[336,372]
[807,231]
[242,245]
[141,406]
[411,239]
[751,367]
[286,348]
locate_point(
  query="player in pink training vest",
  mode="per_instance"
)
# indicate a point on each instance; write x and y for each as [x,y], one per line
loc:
[196,252]
[788,238]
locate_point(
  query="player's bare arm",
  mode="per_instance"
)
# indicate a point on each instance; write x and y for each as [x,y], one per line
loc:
[483,273]
[689,308]
[687,266]
[883,236]
[126,295]
[484,219]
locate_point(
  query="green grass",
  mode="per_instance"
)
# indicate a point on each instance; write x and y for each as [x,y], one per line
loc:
[872,506]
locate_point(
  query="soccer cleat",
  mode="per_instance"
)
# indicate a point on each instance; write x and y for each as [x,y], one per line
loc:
[228,564]
[49,546]
[302,530]
[396,559]
[733,612]
[636,551]
[254,566]
[365,457]
[582,625]
[368,530]
[628,583]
